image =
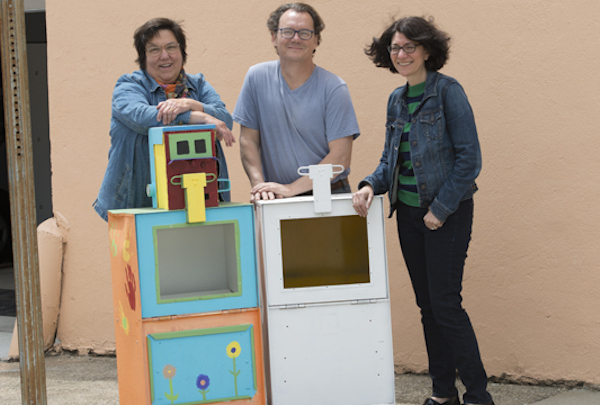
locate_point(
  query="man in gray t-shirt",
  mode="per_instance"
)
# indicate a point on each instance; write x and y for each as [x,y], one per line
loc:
[293,113]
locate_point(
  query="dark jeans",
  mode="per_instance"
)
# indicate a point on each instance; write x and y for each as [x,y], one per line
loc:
[345,188]
[435,261]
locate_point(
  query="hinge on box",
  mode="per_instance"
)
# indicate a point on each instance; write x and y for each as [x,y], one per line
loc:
[235,311]
[292,306]
[161,318]
[365,301]
[173,317]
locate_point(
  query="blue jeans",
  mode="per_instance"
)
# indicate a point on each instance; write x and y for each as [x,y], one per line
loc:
[435,262]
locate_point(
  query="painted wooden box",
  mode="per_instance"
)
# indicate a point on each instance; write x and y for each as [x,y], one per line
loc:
[190,268]
[179,150]
[325,303]
[188,330]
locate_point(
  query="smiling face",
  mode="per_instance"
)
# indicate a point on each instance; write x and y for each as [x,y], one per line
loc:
[409,65]
[295,49]
[165,67]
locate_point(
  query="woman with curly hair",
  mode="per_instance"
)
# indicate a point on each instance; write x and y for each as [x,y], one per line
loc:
[429,164]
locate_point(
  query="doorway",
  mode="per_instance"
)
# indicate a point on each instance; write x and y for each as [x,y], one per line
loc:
[35,24]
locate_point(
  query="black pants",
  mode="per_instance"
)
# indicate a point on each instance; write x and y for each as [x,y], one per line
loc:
[435,261]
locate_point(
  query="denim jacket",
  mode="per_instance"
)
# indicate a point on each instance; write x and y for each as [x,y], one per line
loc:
[133,112]
[444,147]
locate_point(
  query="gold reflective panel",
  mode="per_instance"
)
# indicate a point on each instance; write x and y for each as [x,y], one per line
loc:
[324,251]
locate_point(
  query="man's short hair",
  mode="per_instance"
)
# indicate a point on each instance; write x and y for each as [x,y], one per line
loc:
[318,24]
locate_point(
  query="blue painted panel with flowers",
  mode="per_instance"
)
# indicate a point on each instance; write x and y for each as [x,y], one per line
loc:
[202,366]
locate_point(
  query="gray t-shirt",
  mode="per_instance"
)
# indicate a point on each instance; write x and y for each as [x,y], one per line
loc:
[295,126]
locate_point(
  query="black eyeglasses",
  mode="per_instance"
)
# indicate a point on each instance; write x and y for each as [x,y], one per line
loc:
[289,33]
[408,48]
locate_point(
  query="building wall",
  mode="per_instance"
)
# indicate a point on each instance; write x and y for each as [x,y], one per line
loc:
[530,70]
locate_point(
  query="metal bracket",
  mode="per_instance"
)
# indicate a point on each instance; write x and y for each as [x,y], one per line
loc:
[321,176]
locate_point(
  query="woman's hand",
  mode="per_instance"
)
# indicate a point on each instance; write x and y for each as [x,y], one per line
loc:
[362,199]
[223,133]
[431,222]
[169,109]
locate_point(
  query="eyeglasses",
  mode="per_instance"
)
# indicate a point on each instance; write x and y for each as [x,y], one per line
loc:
[288,33]
[157,50]
[408,48]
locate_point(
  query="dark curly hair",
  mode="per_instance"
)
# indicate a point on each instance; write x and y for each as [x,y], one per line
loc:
[435,42]
[273,21]
[146,32]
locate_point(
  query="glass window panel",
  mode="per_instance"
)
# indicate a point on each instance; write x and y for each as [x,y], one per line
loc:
[324,251]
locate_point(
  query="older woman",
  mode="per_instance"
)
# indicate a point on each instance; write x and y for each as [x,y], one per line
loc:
[160,93]
[429,164]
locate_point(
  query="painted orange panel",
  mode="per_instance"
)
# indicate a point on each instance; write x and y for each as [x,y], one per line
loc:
[194,325]
[131,355]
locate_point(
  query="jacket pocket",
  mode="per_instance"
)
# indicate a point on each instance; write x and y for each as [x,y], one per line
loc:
[393,128]
[432,124]
[122,186]
[391,124]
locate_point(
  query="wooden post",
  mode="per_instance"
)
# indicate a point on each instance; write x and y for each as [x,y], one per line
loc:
[22,201]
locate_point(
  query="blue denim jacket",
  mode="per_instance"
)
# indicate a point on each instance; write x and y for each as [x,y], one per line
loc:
[444,146]
[133,112]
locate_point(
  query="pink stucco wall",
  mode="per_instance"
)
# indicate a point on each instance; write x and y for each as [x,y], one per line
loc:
[530,71]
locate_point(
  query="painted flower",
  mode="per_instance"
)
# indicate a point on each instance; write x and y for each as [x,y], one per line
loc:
[202,382]
[233,349]
[169,371]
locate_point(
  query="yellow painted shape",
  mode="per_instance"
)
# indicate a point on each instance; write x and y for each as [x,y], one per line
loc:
[113,235]
[126,254]
[160,166]
[123,318]
[193,185]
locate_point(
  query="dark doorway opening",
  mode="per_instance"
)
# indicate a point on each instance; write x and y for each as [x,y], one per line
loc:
[35,22]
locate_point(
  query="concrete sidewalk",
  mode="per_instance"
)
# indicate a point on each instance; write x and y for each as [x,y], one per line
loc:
[89,380]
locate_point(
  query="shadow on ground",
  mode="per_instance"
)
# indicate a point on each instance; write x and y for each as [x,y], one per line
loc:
[92,380]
